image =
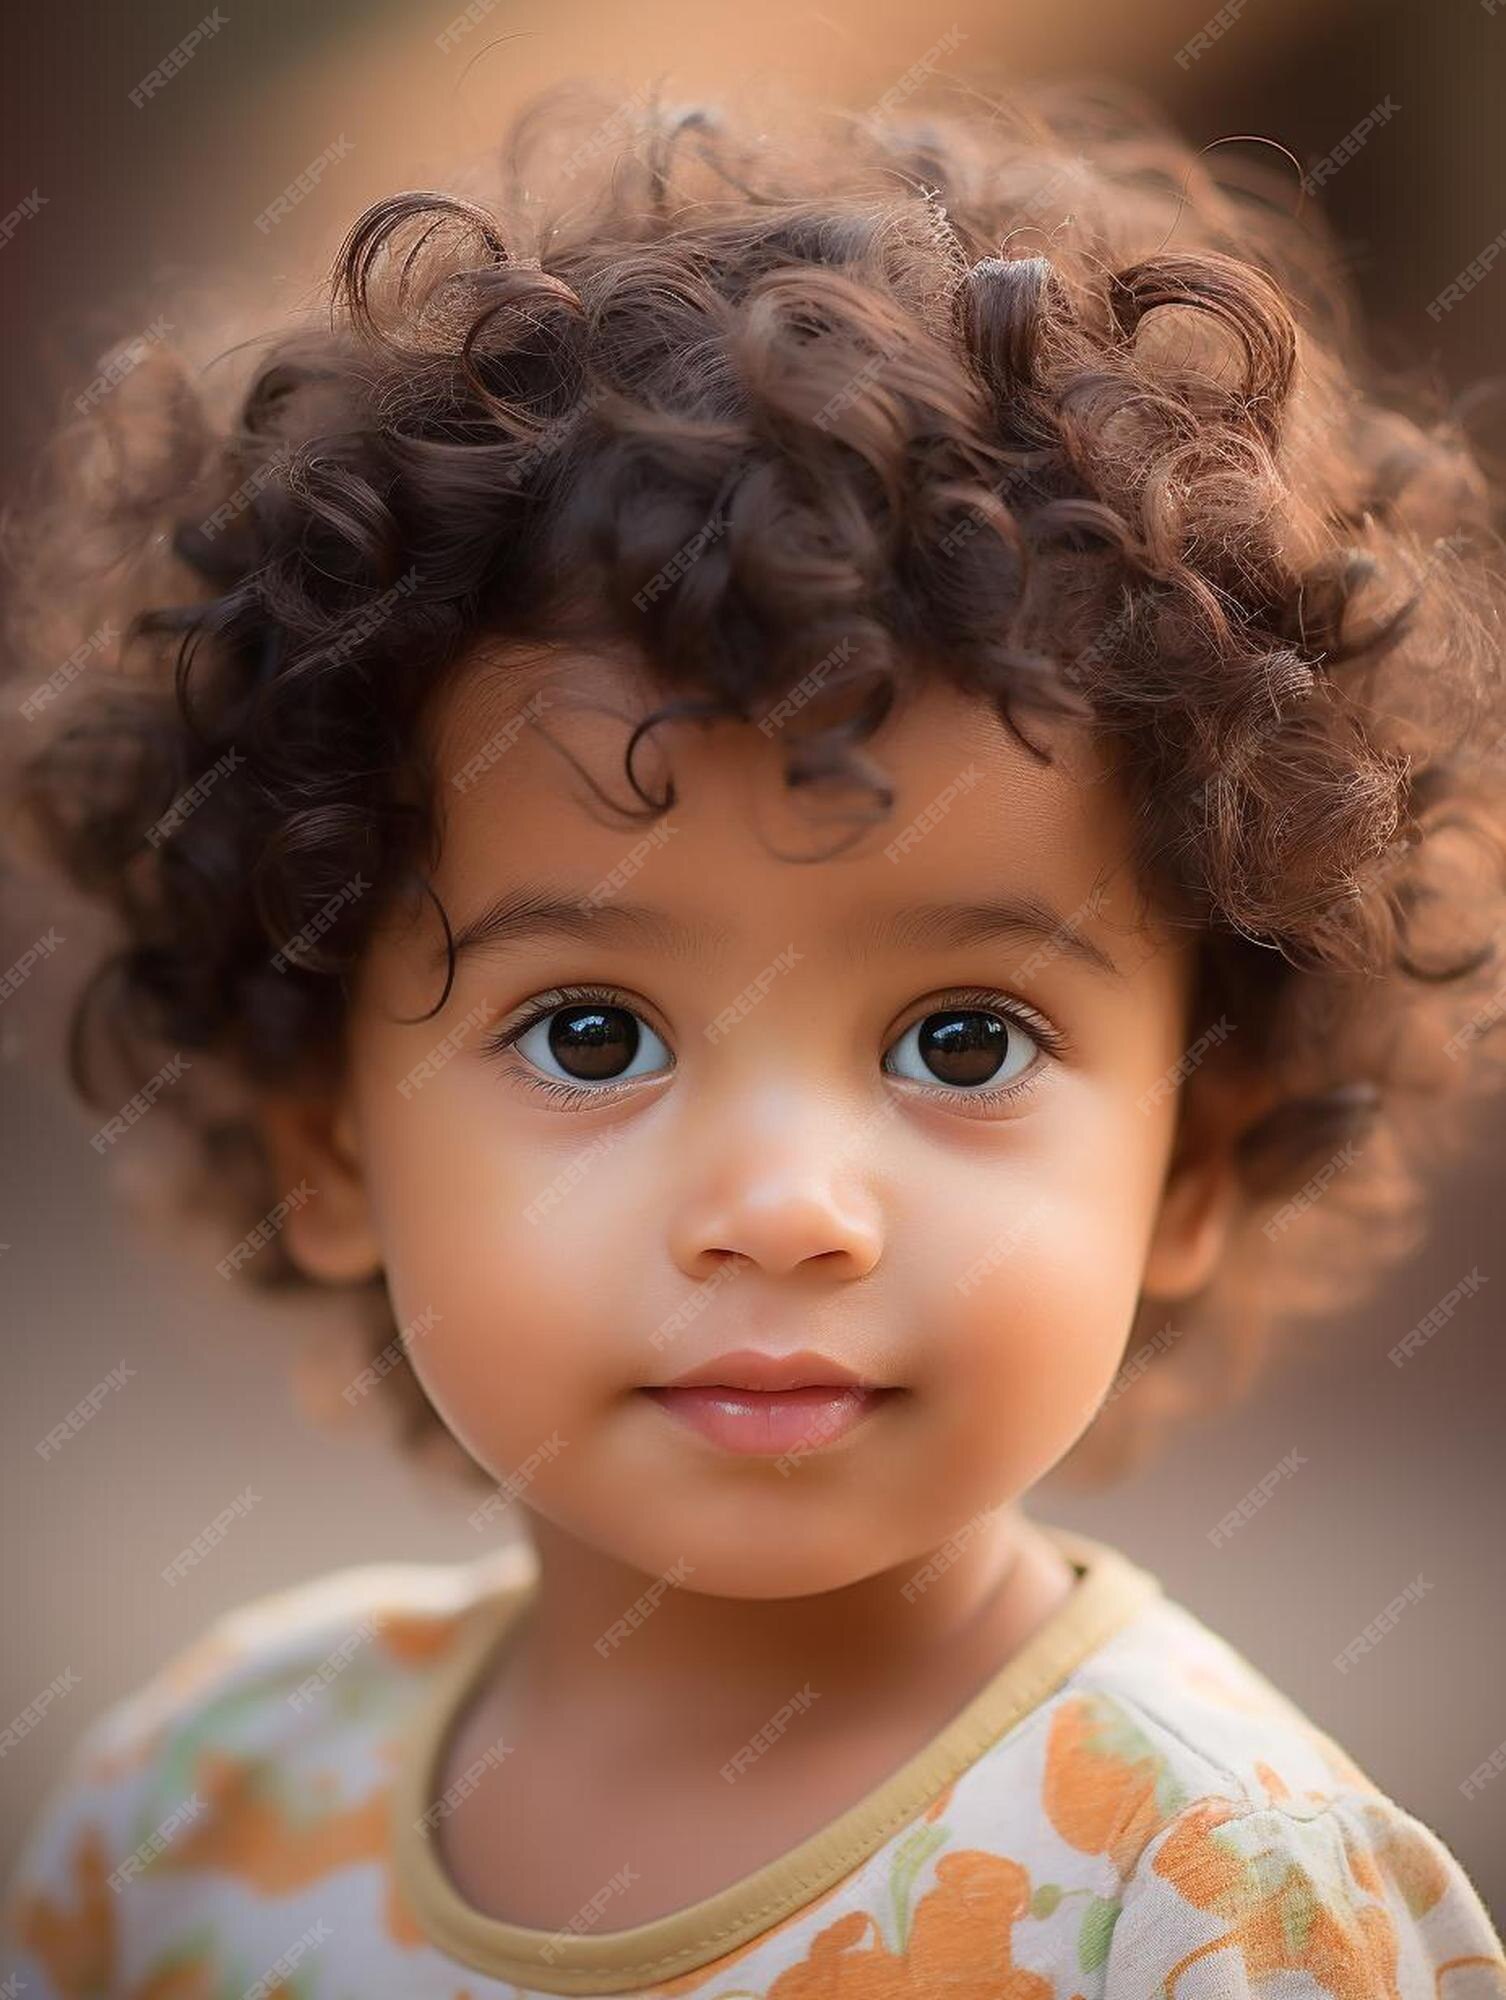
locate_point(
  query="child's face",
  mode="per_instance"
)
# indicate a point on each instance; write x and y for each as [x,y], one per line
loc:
[795,1159]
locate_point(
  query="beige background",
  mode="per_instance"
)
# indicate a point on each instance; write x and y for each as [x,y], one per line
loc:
[1403,1472]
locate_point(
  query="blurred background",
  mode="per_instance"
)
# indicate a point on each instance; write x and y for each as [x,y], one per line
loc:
[1403,1474]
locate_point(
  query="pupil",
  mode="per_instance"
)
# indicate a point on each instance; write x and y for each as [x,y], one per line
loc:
[965,1047]
[594,1041]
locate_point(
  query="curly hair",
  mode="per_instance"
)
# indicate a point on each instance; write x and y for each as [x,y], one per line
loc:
[1020,395]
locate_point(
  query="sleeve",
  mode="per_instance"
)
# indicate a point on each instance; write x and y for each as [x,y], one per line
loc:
[59,1915]
[1353,1898]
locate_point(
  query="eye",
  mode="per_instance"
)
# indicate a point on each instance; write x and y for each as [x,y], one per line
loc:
[590,1041]
[976,1049]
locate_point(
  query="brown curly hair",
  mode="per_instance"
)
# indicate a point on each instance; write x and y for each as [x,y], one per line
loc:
[1020,395]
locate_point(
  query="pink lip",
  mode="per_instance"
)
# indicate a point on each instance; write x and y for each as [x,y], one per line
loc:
[748,1369]
[770,1421]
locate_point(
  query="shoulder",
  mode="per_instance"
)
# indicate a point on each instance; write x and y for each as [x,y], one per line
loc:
[1353,1894]
[258,1753]
[1228,1827]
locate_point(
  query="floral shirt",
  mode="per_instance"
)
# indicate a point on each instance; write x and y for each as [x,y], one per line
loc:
[1127,1810]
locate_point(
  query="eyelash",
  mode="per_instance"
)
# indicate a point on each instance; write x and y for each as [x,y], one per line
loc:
[569,1096]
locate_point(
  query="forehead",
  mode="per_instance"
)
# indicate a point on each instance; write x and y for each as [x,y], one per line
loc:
[529,777]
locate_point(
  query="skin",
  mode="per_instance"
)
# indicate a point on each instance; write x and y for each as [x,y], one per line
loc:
[986,1259]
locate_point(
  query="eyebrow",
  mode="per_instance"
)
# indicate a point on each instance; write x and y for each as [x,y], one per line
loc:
[520,916]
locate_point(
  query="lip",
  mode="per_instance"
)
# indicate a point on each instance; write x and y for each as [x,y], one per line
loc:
[749,1369]
[770,1422]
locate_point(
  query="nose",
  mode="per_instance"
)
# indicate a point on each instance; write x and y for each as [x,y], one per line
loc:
[780,1214]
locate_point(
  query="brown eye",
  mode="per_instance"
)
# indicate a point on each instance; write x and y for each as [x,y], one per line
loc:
[970,1047]
[591,1042]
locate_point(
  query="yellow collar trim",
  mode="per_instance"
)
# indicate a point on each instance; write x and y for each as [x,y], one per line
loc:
[1110,1592]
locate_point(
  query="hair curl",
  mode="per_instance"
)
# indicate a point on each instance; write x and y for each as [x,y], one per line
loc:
[1030,400]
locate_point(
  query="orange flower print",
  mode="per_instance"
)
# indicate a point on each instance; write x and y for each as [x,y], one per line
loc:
[960,1943]
[75,1941]
[417,1638]
[1281,1916]
[1107,1789]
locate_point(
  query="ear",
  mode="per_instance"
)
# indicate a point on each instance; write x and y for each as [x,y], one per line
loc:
[311,1140]
[1200,1195]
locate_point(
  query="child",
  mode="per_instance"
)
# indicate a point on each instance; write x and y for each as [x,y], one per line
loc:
[910,625]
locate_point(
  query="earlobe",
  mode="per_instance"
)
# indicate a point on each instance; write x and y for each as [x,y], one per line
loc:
[1201,1194]
[1192,1227]
[311,1143]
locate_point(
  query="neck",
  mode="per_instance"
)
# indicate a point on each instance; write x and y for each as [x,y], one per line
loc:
[720,1659]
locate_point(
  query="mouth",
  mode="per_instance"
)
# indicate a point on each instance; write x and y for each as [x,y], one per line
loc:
[771,1422]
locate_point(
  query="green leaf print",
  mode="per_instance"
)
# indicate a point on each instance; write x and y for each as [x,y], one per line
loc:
[911,1855]
[1097,1930]
[1116,1734]
[1045,1899]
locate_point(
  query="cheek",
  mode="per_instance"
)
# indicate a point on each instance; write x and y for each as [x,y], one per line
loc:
[510,1246]
[1036,1267]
